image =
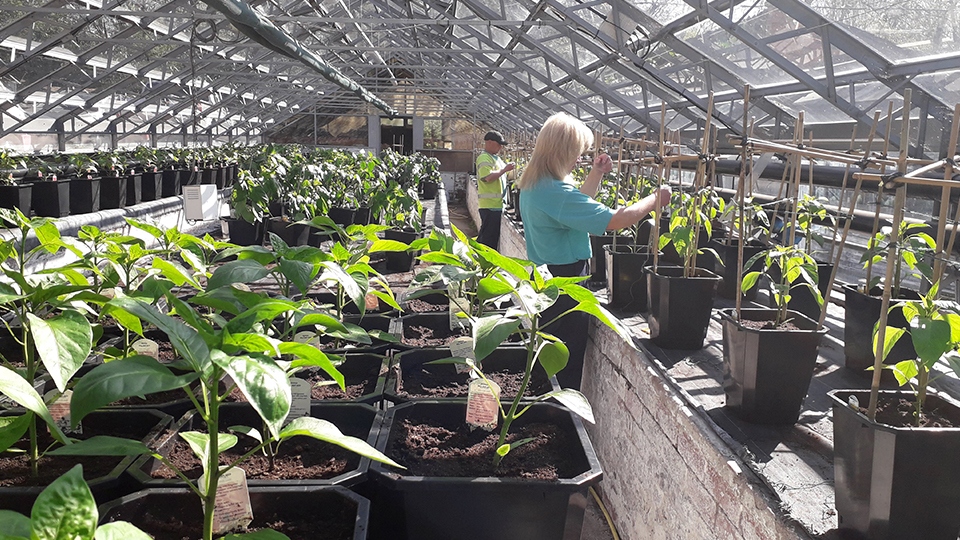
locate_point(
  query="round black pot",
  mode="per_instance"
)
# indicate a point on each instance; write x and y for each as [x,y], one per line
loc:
[894,483]
[134,187]
[441,508]
[726,267]
[363,215]
[414,363]
[802,298]
[336,507]
[428,190]
[766,372]
[84,196]
[861,314]
[294,234]
[400,261]
[17,196]
[598,262]
[341,216]
[626,283]
[52,199]
[151,186]
[680,306]
[113,192]
[243,233]
[170,182]
[143,425]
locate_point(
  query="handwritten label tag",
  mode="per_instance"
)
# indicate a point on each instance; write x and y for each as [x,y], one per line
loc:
[371,301]
[147,347]
[300,398]
[60,411]
[232,511]
[463,347]
[483,404]
[310,338]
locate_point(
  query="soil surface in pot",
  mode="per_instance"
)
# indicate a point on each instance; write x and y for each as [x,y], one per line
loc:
[326,525]
[769,325]
[423,336]
[300,458]
[418,305]
[430,450]
[900,413]
[324,388]
[15,469]
[422,383]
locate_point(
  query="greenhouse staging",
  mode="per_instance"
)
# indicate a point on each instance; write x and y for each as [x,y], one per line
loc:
[477,270]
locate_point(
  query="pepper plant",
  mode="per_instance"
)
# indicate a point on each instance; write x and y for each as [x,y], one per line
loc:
[691,212]
[914,244]
[794,268]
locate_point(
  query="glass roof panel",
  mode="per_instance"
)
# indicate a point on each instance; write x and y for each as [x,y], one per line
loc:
[663,11]
[733,54]
[945,85]
[815,108]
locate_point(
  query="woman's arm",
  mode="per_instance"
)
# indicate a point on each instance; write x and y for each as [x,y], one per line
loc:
[628,215]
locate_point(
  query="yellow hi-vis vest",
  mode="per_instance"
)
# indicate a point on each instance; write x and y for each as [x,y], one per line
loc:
[490,193]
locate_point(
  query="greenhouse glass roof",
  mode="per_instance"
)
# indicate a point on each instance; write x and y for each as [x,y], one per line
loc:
[76,73]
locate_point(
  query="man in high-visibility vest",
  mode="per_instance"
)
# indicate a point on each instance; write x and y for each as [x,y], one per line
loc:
[491,185]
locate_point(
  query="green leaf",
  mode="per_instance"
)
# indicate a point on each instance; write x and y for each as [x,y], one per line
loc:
[518,268]
[931,339]
[573,400]
[113,381]
[326,431]
[749,280]
[267,310]
[241,271]
[890,338]
[299,273]
[327,321]
[65,510]
[310,356]
[175,273]
[63,343]
[18,389]
[352,332]
[184,339]
[440,258]
[334,271]
[387,245]
[14,525]
[262,534]
[905,371]
[489,288]
[12,428]
[505,449]
[489,332]
[553,356]
[200,442]
[262,381]
[258,343]
[102,445]
[253,433]
[120,530]
[952,359]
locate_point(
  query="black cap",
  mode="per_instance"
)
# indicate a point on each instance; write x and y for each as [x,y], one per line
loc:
[494,136]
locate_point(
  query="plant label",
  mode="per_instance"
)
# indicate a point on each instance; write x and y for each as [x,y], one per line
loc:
[463,347]
[371,301]
[60,411]
[232,511]
[147,347]
[310,338]
[483,404]
[300,398]
[457,302]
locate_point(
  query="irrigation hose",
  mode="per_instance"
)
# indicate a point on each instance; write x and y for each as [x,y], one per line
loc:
[606,515]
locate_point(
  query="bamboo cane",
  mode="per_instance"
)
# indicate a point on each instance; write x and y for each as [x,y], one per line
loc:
[699,182]
[745,157]
[795,187]
[843,191]
[655,235]
[876,214]
[945,198]
[616,189]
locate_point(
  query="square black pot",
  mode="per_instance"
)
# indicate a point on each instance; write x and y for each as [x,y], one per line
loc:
[17,196]
[134,185]
[84,196]
[151,186]
[113,192]
[52,199]
[170,182]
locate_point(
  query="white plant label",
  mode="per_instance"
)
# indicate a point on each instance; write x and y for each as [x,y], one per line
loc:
[371,301]
[483,404]
[300,398]
[310,338]
[60,411]
[147,347]
[463,347]
[232,511]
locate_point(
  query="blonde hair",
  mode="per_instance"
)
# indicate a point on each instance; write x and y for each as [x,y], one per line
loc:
[561,141]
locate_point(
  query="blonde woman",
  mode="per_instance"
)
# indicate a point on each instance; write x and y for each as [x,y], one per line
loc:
[558,219]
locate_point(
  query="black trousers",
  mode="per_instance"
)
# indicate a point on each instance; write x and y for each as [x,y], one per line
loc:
[572,328]
[489,234]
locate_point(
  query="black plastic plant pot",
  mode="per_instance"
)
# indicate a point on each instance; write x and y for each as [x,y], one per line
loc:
[294,234]
[400,261]
[726,267]
[626,283]
[134,189]
[363,215]
[891,482]
[441,508]
[209,176]
[243,233]
[413,378]
[52,199]
[189,177]
[680,306]
[170,182]
[428,190]
[861,313]
[354,419]
[802,298]
[426,330]
[222,174]
[332,509]
[112,483]
[598,262]
[341,216]
[151,186]
[329,299]
[17,196]
[231,174]
[84,196]
[113,192]
[766,372]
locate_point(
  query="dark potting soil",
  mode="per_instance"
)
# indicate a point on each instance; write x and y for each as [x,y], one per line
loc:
[300,458]
[15,468]
[431,450]
[324,388]
[329,524]
[423,336]
[421,383]
[421,306]
[768,325]
[900,413]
